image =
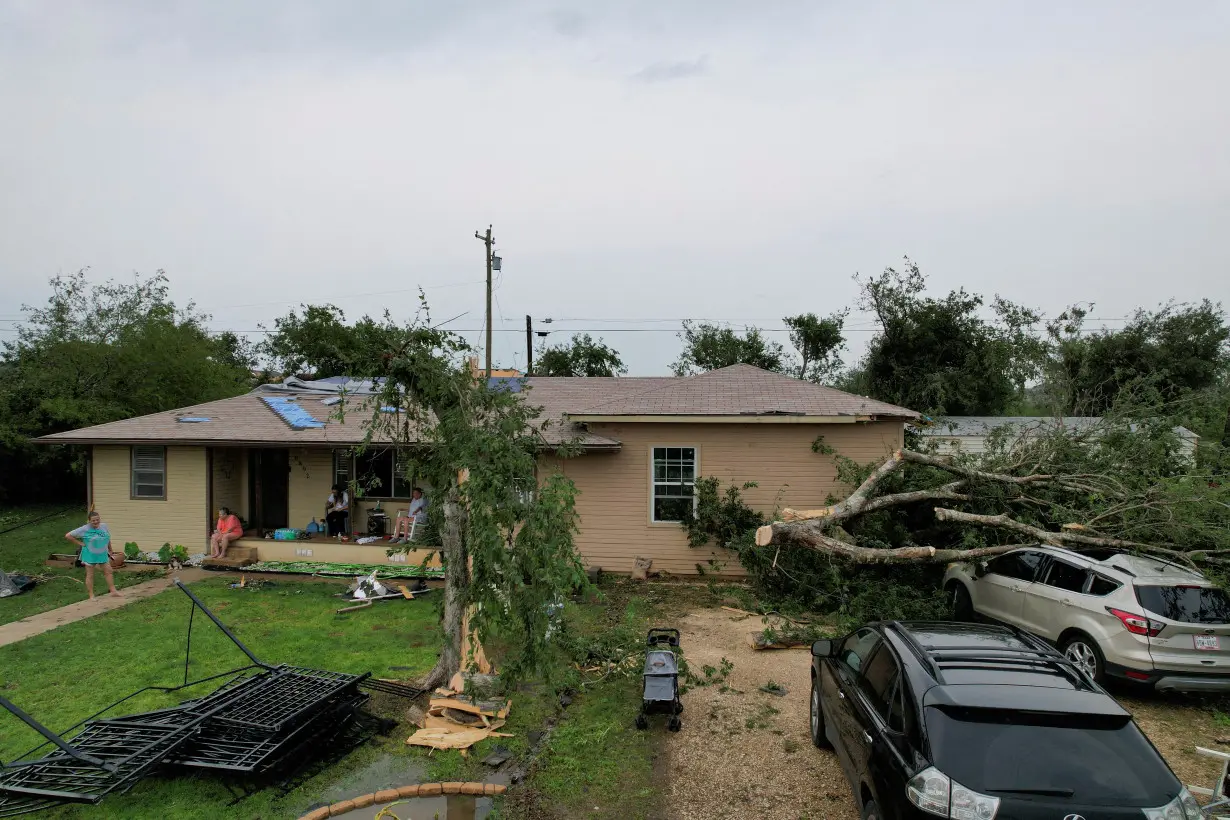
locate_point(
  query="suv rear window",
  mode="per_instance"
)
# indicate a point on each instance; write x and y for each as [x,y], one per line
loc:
[1187,604]
[1075,757]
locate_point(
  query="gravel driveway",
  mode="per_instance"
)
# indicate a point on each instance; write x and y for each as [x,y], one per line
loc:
[744,753]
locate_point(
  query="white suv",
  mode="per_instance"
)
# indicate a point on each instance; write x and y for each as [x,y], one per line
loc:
[1111,613]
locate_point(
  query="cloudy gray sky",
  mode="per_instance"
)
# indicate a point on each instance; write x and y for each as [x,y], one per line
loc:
[642,162]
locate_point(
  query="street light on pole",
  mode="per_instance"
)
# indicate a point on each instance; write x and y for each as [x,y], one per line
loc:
[529,342]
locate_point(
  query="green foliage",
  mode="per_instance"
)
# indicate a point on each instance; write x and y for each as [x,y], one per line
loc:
[97,353]
[1162,356]
[164,553]
[132,550]
[581,356]
[940,356]
[179,553]
[318,342]
[818,343]
[720,516]
[709,347]
[517,531]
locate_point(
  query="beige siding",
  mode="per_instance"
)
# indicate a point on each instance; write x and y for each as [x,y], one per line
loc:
[311,476]
[615,488]
[180,518]
[230,477]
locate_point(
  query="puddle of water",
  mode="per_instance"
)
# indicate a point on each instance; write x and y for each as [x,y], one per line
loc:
[452,807]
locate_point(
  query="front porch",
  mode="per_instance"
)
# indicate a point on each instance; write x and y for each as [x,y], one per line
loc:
[323,549]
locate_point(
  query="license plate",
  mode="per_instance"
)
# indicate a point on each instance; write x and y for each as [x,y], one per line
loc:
[1208,642]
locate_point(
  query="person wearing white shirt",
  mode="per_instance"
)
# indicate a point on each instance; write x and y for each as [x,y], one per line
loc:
[336,508]
[417,514]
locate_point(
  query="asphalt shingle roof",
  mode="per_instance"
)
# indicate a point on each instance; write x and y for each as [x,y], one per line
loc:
[740,390]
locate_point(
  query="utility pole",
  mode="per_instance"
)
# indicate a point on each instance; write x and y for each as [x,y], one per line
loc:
[529,345]
[487,240]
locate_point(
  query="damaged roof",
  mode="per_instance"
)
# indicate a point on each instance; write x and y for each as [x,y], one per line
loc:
[298,413]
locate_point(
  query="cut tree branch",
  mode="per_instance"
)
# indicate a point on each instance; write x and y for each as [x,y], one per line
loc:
[1055,539]
[818,541]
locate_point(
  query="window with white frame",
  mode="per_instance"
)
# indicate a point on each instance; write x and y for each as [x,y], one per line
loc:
[674,482]
[149,472]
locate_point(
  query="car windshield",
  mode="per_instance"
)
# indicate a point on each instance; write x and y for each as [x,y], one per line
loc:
[1186,604]
[1084,759]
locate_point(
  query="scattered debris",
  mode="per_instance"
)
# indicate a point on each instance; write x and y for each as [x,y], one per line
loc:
[368,589]
[775,688]
[498,757]
[262,720]
[458,722]
[757,640]
[11,585]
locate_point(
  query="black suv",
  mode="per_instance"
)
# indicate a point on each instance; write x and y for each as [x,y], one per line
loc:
[975,722]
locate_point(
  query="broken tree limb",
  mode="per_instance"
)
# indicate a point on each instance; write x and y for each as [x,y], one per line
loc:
[802,535]
[1055,539]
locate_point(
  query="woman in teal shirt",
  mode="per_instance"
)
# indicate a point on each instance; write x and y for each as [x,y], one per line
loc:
[95,541]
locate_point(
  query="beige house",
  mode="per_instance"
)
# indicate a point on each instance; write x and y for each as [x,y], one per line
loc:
[273,454]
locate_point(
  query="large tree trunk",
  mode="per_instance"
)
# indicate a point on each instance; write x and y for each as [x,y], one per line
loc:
[456,582]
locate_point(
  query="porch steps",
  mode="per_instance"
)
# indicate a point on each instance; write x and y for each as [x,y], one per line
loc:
[236,557]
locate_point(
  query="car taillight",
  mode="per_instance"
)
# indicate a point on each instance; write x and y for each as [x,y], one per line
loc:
[1137,624]
[936,793]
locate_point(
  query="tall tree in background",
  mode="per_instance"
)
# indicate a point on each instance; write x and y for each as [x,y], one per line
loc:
[818,343]
[939,355]
[709,346]
[581,356]
[1174,351]
[97,353]
[317,341]
[508,553]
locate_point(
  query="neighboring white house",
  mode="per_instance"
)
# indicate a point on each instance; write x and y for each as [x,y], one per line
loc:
[969,434]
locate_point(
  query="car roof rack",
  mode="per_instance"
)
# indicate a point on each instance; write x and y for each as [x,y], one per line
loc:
[1039,657]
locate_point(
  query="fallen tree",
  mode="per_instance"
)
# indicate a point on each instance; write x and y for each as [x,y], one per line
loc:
[1019,493]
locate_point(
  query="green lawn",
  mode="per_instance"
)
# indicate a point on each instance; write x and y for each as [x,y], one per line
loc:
[24,550]
[590,756]
[64,675]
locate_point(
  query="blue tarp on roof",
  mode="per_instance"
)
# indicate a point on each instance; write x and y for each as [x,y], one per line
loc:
[512,384]
[296,417]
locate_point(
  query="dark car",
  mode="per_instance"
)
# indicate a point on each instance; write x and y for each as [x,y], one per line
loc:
[976,722]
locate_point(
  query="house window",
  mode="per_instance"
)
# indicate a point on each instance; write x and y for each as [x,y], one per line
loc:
[384,474]
[149,472]
[674,477]
[343,464]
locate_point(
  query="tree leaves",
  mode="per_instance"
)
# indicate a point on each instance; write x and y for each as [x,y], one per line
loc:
[581,356]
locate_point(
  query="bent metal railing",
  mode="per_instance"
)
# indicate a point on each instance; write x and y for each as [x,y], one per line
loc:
[261,719]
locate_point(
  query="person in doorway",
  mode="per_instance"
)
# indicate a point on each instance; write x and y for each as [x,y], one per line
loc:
[94,539]
[417,514]
[227,530]
[336,508]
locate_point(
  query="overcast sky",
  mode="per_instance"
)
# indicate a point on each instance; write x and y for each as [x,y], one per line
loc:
[642,162]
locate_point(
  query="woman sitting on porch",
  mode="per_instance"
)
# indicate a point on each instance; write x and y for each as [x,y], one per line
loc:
[229,529]
[336,509]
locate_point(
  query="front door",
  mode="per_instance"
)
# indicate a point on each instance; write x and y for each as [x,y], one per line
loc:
[269,488]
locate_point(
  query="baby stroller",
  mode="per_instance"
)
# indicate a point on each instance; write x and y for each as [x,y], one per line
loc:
[661,695]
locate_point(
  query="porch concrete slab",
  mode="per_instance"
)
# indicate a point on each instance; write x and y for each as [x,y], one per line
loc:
[104,602]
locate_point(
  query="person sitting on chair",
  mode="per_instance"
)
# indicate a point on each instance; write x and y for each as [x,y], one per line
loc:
[228,529]
[404,528]
[336,509]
